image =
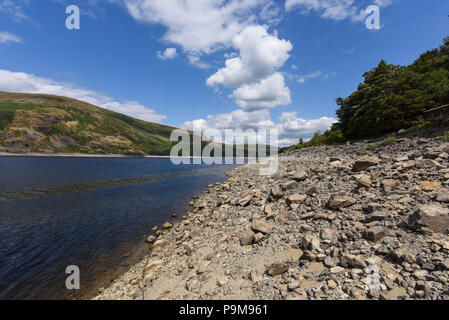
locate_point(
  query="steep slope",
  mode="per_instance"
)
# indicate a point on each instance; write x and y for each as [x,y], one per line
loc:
[46,123]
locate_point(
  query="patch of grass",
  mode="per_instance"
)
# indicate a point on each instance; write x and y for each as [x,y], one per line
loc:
[445,136]
[388,141]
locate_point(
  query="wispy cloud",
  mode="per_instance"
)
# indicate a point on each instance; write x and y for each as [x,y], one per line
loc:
[335,9]
[313,75]
[15,9]
[6,37]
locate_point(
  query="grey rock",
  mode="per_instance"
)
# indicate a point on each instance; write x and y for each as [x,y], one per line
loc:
[277,268]
[246,238]
[431,217]
[375,233]
[364,163]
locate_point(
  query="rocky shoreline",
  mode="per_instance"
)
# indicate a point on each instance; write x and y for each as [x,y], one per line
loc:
[335,222]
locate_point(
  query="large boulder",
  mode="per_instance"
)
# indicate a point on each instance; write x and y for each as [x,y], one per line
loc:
[431,217]
[365,162]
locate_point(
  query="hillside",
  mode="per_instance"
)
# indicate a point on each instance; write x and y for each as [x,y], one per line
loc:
[393,98]
[49,124]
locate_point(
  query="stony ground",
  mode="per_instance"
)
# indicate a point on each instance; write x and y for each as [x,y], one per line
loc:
[344,222]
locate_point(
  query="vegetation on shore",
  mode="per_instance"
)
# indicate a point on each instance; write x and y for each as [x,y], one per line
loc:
[392,98]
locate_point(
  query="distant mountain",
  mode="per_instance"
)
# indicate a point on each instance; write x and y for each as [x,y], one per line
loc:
[47,123]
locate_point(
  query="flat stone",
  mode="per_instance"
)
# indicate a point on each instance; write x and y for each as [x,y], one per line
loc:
[375,216]
[295,198]
[336,202]
[277,268]
[300,175]
[427,163]
[364,163]
[428,186]
[442,196]
[353,261]
[337,270]
[363,181]
[289,185]
[431,217]
[167,225]
[259,225]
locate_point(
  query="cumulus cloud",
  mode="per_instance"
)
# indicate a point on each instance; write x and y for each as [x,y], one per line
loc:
[260,55]
[334,9]
[268,93]
[290,128]
[6,37]
[258,85]
[29,83]
[201,26]
[169,53]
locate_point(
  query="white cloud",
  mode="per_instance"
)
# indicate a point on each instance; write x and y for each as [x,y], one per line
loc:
[270,92]
[196,61]
[6,37]
[29,83]
[258,85]
[313,75]
[200,26]
[261,54]
[334,9]
[290,127]
[169,53]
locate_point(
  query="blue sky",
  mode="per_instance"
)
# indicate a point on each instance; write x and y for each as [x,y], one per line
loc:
[229,64]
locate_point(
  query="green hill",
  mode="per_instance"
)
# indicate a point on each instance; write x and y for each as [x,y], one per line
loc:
[46,123]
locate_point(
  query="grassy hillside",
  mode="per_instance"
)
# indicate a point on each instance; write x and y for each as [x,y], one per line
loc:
[46,123]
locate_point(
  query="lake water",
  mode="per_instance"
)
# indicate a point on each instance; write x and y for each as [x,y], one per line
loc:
[94,213]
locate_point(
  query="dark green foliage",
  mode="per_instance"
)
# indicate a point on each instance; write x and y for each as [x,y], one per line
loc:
[391,98]
[329,137]
[395,97]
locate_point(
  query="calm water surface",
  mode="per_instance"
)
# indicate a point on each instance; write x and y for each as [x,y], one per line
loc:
[94,213]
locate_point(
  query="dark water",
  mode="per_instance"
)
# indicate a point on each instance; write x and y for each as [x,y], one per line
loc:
[94,213]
